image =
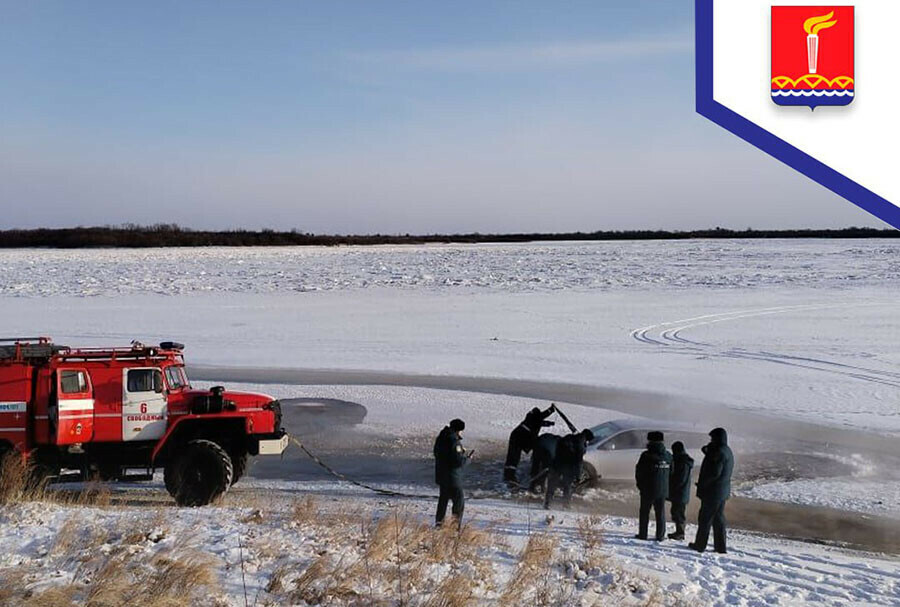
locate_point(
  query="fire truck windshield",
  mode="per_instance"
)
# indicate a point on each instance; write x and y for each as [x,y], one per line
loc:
[176,378]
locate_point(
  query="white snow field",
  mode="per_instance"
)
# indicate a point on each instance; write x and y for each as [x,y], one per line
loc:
[267,546]
[792,332]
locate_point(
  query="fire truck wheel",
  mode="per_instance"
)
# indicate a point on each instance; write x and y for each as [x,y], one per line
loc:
[240,463]
[201,473]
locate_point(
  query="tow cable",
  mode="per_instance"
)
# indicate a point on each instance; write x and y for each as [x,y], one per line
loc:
[340,476]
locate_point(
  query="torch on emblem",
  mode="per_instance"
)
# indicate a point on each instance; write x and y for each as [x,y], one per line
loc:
[819,72]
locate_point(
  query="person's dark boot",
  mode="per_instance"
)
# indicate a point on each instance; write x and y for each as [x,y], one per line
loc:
[694,546]
[678,534]
[640,537]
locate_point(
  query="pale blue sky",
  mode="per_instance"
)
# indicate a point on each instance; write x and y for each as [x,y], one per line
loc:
[375,117]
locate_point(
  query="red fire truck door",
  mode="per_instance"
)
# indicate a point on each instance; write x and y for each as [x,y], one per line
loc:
[75,406]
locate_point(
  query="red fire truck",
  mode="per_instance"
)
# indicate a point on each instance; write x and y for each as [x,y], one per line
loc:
[107,411]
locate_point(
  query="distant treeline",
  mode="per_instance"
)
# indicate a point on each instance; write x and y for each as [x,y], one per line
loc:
[170,235]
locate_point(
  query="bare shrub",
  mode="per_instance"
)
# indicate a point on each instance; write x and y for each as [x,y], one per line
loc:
[591,533]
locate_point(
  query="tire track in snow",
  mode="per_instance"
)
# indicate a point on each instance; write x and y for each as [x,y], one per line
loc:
[668,335]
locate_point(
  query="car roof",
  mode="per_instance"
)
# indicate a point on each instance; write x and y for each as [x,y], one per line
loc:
[640,423]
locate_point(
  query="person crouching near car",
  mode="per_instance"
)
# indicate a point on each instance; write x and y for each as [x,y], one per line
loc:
[566,466]
[541,461]
[449,458]
[679,487]
[652,476]
[522,440]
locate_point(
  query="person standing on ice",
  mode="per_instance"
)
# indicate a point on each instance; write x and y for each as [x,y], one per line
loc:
[714,489]
[652,476]
[523,438]
[449,458]
[566,466]
[679,487]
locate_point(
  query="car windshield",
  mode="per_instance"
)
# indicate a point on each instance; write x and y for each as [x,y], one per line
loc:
[604,431]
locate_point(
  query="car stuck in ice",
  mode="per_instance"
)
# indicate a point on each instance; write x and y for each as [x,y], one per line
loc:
[618,444]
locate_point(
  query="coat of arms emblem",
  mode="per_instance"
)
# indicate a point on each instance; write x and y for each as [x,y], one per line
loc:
[812,55]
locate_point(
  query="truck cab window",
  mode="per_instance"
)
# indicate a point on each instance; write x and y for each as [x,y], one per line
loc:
[174,378]
[144,380]
[72,382]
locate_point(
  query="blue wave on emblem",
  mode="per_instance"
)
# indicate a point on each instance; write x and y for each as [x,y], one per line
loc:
[813,98]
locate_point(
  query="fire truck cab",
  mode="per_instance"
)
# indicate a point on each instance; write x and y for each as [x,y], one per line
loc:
[105,411]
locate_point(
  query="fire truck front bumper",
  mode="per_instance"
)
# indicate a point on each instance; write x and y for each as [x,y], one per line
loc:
[272,444]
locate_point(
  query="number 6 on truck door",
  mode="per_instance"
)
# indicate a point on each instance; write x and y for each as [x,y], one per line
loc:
[144,409]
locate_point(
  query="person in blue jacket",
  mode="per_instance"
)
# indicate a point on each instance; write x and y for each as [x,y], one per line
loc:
[679,487]
[652,476]
[449,458]
[714,489]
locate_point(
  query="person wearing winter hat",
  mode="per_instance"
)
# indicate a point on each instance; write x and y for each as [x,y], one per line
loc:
[449,458]
[679,487]
[652,476]
[714,489]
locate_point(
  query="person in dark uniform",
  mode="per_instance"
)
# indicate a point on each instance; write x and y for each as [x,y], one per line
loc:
[566,465]
[652,476]
[449,458]
[541,460]
[714,489]
[679,487]
[523,438]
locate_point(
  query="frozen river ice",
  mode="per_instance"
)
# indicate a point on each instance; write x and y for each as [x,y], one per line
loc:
[801,329]
[605,266]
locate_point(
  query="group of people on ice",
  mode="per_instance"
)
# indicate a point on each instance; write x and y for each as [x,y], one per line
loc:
[556,463]
[662,476]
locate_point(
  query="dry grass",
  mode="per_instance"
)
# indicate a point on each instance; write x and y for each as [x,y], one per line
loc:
[366,560]
[305,511]
[64,596]
[456,590]
[153,527]
[535,562]
[173,579]
[20,483]
[66,538]
[179,572]
[17,481]
[276,581]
